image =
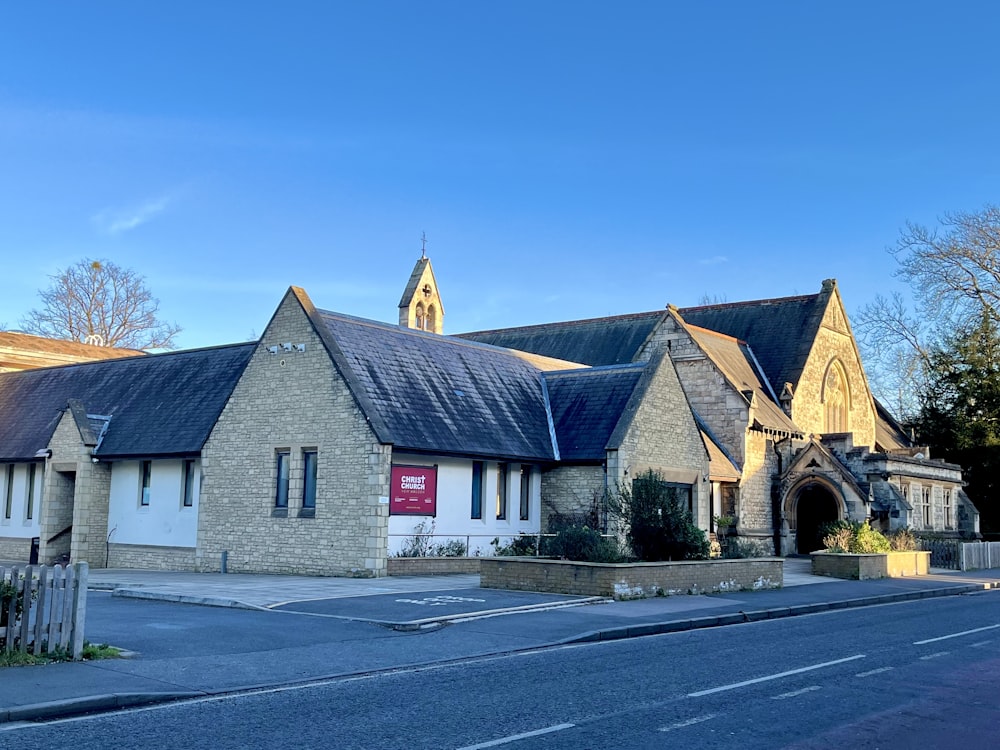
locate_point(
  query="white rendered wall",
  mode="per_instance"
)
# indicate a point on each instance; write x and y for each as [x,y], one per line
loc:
[19,526]
[454,506]
[165,521]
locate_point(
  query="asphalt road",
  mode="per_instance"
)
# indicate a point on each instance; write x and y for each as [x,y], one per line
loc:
[921,674]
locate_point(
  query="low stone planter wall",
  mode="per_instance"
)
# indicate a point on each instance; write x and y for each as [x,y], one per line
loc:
[630,580]
[865,567]
[432,566]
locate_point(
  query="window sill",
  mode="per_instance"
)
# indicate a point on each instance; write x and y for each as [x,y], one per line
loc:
[307,513]
[279,513]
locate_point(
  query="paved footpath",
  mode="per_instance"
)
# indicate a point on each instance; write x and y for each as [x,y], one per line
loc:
[267,631]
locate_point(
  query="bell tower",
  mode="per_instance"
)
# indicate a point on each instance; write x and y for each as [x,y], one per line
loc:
[420,306]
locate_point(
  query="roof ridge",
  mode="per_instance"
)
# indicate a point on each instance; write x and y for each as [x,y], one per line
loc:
[750,302]
[536,326]
[445,338]
[596,369]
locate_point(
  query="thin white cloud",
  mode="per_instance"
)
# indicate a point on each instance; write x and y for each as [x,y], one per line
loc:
[714,260]
[118,220]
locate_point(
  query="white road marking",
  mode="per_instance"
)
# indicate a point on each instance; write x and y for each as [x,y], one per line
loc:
[934,656]
[795,692]
[980,644]
[870,672]
[516,737]
[688,723]
[770,677]
[955,635]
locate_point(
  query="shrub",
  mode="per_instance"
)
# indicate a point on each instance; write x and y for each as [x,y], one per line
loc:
[742,549]
[523,545]
[583,544]
[658,526]
[903,540]
[856,538]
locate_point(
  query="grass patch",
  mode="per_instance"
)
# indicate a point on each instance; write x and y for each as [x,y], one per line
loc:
[91,652]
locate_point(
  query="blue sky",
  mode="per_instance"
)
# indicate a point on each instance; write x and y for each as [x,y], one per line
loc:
[566,159]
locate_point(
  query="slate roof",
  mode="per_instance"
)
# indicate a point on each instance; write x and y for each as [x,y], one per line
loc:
[587,405]
[598,341]
[159,405]
[781,331]
[736,362]
[439,394]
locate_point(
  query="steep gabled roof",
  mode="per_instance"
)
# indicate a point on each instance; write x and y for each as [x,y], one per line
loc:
[587,406]
[781,331]
[598,341]
[439,394]
[737,364]
[157,405]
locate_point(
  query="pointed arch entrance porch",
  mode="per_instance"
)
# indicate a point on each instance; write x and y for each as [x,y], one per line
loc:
[809,505]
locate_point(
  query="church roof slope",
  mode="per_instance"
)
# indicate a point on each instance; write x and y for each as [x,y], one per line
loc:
[439,394]
[160,404]
[735,360]
[614,340]
[587,406]
[781,331]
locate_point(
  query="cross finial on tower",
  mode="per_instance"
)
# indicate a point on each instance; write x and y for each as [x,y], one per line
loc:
[423,245]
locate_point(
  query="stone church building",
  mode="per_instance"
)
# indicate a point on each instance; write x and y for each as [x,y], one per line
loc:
[326,445]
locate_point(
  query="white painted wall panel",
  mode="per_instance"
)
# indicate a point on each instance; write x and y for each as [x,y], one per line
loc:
[164,522]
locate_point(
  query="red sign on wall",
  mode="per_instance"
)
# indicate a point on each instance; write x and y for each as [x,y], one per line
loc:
[414,491]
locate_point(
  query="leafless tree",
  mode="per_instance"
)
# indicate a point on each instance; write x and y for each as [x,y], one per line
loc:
[954,273]
[99,302]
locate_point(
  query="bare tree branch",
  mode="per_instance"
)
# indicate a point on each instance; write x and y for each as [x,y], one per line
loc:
[99,301]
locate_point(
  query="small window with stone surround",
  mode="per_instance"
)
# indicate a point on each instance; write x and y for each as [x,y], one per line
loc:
[310,464]
[525,492]
[282,461]
[949,508]
[925,507]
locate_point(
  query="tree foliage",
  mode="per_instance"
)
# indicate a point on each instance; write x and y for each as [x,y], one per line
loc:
[953,272]
[99,302]
[658,526]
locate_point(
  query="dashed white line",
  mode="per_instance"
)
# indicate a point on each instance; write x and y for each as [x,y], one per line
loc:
[516,737]
[980,644]
[870,672]
[955,635]
[770,677]
[794,693]
[935,655]
[688,723]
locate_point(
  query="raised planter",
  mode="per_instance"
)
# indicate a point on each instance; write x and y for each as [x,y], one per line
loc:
[432,566]
[630,580]
[865,567]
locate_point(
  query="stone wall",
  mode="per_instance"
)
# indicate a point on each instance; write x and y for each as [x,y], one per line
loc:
[60,487]
[432,566]
[725,411]
[867,567]
[630,580]
[570,490]
[151,557]
[90,513]
[12,548]
[834,340]
[754,508]
[293,401]
[662,435]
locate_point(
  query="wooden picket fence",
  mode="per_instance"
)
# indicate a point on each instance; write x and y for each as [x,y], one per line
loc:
[43,609]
